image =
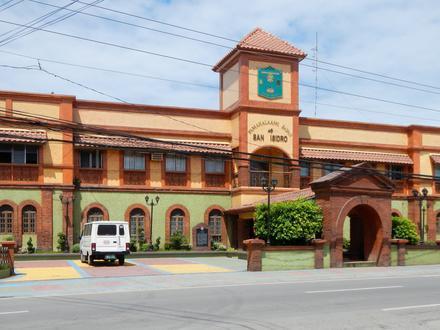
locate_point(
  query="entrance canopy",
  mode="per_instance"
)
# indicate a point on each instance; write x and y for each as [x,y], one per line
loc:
[362,195]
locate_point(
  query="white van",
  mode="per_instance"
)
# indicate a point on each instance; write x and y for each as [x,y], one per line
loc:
[105,240]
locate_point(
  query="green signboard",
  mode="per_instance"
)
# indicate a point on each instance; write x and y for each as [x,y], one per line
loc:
[270,83]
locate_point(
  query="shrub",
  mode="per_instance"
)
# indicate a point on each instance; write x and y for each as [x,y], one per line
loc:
[156,245]
[218,246]
[178,241]
[75,248]
[133,245]
[144,247]
[405,229]
[62,242]
[9,238]
[4,266]
[30,246]
[167,246]
[291,223]
[346,244]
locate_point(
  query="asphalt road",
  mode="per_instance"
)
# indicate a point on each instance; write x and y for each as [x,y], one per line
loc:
[397,298]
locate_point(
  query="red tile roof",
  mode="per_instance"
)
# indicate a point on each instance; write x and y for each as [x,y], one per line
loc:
[288,196]
[435,159]
[23,136]
[361,156]
[83,140]
[261,41]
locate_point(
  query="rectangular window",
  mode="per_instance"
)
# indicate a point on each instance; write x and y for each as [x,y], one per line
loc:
[395,172]
[106,230]
[304,169]
[175,163]
[437,171]
[90,159]
[18,154]
[329,168]
[134,161]
[214,166]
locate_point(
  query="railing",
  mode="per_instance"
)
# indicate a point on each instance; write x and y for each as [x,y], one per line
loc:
[91,175]
[14,172]
[175,179]
[5,258]
[215,180]
[257,178]
[400,186]
[135,177]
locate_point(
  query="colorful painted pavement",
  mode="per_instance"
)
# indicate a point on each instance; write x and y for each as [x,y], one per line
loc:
[73,269]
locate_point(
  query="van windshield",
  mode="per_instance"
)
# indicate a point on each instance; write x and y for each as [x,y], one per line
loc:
[106,230]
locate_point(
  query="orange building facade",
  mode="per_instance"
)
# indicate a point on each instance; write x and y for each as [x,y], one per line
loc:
[65,161]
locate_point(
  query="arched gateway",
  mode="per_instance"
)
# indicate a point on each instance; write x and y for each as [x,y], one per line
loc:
[362,197]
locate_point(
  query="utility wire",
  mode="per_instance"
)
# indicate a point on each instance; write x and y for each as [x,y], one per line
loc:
[229,47]
[210,65]
[10,6]
[236,41]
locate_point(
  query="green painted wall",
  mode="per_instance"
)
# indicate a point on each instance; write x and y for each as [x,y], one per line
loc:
[422,257]
[117,204]
[393,255]
[288,260]
[401,206]
[20,195]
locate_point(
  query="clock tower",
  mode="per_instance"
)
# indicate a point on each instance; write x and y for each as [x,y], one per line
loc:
[259,88]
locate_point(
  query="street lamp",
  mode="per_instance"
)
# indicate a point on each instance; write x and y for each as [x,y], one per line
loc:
[152,204]
[66,200]
[421,197]
[268,187]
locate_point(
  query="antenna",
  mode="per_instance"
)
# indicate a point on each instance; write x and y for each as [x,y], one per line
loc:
[315,52]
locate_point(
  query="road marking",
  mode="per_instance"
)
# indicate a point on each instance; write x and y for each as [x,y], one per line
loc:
[409,307]
[357,289]
[14,312]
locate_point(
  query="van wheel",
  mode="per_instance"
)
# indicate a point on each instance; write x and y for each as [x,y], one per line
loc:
[90,260]
[83,259]
[121,261]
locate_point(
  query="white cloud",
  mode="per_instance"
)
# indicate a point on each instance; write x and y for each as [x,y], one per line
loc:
[397,38]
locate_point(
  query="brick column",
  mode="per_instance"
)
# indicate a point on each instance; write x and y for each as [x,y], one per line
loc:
[45,228]
[319,252]
[254,254]
[401,250]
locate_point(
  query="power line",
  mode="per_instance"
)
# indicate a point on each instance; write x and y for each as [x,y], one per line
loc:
[210,65]
[315,66]
[236,41]
[10,6]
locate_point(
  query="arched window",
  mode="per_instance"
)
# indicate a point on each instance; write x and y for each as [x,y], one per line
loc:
[137,218]
[95,214]
[437,222]
[6,217]
[29,218]
[176,221]
[215,225]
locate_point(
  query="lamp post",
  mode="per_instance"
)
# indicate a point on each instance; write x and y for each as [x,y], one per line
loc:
[268,187]
[66,200]
[152,203]
[421,197]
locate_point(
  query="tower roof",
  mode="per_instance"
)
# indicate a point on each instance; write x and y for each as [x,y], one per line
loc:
[263,42]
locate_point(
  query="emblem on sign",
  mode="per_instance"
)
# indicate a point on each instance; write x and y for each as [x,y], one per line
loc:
[270,83]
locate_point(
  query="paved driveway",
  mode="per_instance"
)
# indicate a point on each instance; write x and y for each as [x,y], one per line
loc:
[71,269]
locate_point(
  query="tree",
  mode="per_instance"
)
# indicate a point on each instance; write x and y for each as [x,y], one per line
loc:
[291,223]
[404,228]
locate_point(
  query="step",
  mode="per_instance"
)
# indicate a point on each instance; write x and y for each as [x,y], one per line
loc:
[359,263]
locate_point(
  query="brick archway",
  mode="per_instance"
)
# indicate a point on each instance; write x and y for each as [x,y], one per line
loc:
[91,206]
[369,226]
[363,195]
[147,219]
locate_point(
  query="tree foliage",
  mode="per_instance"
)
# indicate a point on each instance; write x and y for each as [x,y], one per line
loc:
[291,223]
[404,228]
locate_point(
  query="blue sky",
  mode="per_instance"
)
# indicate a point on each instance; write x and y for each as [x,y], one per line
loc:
[396,38]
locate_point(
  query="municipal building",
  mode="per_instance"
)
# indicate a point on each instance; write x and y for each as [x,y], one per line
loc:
[66,161]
